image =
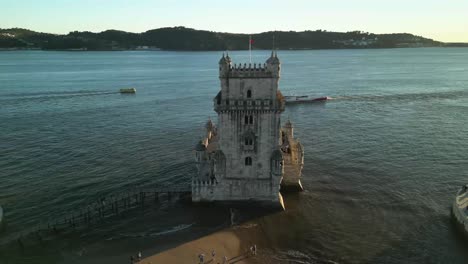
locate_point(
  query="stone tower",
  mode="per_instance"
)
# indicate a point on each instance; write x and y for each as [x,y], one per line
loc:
[241,159]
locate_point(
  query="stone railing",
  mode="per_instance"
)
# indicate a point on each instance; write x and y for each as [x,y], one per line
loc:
[249,148]
[199,183]
[248,104]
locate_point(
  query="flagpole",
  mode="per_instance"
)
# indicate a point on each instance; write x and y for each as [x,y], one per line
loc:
[250,48]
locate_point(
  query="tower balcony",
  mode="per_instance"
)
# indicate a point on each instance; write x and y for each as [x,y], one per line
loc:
[248,105]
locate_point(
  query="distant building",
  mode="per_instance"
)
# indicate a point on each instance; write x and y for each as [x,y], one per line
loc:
[248,155]
[9,35]
[147,48]
[363,42]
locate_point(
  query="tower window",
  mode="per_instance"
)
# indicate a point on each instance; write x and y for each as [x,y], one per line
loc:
[248,161]
[249,94]
[248,142]
[248,119]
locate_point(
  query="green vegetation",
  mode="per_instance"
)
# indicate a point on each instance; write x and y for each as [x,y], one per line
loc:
[181,38]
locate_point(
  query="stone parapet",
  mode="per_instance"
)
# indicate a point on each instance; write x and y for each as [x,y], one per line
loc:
[248,71]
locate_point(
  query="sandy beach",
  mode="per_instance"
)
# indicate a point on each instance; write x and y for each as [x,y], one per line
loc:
[233,243]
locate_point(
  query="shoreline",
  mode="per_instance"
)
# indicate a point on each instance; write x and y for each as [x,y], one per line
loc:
[171,50]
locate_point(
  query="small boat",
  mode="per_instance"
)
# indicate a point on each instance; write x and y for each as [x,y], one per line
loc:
[460,208]
[128,90]
[305,99]
[325,98]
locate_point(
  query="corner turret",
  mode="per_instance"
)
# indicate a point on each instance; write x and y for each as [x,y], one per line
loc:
[228,59]
[224,64]
[273,64]
[289,129]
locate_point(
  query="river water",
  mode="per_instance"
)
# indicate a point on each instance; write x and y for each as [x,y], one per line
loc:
[383,159]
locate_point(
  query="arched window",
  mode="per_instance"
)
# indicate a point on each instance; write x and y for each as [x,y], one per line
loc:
[248,161]
[246,119]
[248,141]
[249,94]
[251,120]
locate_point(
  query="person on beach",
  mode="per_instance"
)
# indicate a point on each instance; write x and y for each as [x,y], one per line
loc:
[253,250]
[213,254]
[139,256]
[132,259]
[225,260]
[202,258]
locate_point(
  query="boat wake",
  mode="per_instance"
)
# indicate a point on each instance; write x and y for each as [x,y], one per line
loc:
[386,97]
[407,97]
[305,99]
[294,256]
[42,96]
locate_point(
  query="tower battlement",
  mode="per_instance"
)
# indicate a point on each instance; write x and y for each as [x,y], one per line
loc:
[269,69]
[249,71]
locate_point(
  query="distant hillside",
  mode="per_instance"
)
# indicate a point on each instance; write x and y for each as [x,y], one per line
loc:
[181,38]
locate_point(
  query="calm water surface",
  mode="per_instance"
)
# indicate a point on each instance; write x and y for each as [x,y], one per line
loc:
[383,160]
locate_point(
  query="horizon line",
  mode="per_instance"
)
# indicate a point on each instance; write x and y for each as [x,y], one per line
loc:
[224,32]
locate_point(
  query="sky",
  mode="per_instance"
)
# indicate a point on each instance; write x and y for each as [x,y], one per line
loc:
[437,19]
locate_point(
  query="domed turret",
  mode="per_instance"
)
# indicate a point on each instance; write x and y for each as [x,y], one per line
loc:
[222,60]
[273,64]
[200,146]
[224,66]
[273,58]
[200,152]
[210,130]
[277,155]
[270,59]
[209,125]
[228,59]
[276,59]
